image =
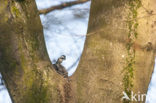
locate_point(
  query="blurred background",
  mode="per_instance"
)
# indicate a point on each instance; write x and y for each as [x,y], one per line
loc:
[65,32]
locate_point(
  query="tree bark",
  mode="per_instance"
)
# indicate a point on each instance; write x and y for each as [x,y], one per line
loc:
[24,62]
[118,55]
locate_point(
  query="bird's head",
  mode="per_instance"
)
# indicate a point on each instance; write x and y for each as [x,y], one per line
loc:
[63,57]
[60,59]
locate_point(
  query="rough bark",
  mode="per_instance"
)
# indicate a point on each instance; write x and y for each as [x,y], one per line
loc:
[24,62]
[118,55]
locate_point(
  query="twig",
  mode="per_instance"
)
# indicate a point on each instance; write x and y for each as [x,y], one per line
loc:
[61,6]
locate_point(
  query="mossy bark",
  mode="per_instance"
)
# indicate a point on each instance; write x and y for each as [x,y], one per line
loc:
[117,56]
[24,62]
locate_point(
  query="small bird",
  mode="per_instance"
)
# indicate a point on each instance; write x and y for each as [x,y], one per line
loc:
[60,68]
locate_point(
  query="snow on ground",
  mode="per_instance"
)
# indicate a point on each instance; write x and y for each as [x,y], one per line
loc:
[151,95]
[65,31]
[4,95]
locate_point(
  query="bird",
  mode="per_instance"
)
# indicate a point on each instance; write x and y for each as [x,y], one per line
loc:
[59,67]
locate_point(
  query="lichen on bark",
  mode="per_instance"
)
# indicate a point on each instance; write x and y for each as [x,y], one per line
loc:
[132,24]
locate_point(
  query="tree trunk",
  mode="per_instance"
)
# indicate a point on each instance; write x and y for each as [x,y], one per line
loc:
[119,51]
[118,55]
[24,62]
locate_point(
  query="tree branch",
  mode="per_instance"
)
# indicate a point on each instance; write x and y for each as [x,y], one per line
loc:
[61,6]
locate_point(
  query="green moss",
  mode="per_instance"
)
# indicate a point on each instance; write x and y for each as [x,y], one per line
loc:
[39,90]
[132,36]
[37,87]
[37,94]
[15,11]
